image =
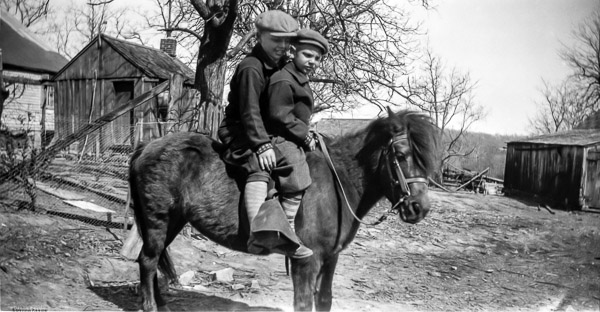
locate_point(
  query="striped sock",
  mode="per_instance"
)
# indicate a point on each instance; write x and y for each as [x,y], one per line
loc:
[255,193]
[291,203]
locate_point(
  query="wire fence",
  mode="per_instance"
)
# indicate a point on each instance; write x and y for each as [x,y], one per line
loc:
[87,180]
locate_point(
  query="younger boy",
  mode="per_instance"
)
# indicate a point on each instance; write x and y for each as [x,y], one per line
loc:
[290,108]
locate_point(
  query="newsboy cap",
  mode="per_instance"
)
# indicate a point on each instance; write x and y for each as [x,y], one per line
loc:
[277,23]
[312,37]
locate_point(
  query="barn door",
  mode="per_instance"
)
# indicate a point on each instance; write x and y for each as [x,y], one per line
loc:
[592,180]
[123,125]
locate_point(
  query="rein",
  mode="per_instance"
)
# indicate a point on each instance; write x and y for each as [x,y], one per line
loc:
[396,175]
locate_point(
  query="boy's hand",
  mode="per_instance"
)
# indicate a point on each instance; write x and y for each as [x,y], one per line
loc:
[312,145]
[267,160]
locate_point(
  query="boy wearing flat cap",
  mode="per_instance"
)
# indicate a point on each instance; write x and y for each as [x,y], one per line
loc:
[290,108]
[243,130]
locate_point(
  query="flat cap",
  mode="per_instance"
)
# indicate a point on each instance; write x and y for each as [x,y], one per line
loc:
[312,37]
[277,23]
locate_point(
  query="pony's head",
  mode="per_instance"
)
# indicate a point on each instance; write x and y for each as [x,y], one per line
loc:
[398,157]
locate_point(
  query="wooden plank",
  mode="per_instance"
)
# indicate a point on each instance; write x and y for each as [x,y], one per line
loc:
[88,206]
[133,244]
[473,178]
[62,194]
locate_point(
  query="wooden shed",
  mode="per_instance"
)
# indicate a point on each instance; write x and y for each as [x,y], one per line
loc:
[104,75]
[563,168]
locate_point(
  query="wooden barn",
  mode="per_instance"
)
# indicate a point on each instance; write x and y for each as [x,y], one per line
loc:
[106,74]
[27,66]
[561,168]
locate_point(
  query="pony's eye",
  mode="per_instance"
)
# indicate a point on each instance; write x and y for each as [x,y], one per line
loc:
[400,155]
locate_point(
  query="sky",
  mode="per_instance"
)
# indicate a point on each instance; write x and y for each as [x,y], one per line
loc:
[507,46]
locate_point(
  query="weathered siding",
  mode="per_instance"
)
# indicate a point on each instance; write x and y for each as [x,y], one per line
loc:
[591,191]
[24,112]
[549,171]
[103,77]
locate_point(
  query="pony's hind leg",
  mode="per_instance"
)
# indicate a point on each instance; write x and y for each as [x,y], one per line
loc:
[152,249]
[165,264]
[324,295]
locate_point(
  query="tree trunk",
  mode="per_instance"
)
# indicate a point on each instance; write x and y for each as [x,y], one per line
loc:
[210,71]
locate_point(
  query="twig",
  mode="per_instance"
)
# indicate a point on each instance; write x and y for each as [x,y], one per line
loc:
[511,289]
[553,284]
[114,235]
[547,208]
[517,273]
[473,178]
[439,185]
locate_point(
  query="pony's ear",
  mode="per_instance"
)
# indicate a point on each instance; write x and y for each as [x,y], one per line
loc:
[390,113]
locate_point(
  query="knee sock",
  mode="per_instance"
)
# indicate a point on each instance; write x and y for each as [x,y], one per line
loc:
[255,193]
[291,203]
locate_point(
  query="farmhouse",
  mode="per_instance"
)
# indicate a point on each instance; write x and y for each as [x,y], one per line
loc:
[27,66]
[108,73]
[563,168]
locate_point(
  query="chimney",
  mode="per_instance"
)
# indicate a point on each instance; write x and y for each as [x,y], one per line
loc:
[168,45]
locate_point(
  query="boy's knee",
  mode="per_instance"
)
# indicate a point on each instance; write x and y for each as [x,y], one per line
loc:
[261,176]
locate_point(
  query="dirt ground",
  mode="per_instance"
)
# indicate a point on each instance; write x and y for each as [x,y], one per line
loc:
[472,253]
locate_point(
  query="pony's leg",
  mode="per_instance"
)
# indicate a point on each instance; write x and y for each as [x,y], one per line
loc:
[151,251]
[175,226]
[304,276]
[324,295]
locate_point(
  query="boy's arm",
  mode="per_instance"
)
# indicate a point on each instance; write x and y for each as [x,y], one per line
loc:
[251,84]
[281,112]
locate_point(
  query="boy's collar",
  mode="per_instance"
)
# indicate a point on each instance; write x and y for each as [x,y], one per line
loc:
[262,55]
[299,76]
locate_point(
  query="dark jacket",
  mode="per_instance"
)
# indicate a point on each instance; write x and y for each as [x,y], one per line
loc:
[248,102]
[290,104]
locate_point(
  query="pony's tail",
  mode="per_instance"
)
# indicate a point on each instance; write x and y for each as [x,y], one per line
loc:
[166,267]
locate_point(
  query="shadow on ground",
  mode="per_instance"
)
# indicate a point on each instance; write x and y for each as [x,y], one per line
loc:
[125,298]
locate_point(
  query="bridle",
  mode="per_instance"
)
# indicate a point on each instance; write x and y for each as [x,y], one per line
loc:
[394,171]
[396,175]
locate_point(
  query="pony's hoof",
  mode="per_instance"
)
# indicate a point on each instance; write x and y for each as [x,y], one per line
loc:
[164,308]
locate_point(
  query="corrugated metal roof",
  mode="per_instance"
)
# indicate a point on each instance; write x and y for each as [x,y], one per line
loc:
[153,62]
[579,137]
[21,49]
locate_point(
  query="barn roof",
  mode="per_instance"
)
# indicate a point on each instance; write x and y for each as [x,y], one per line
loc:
[340,126]
[577,137]
[154,63]
[23,50]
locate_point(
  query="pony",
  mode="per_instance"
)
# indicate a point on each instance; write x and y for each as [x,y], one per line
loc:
[180,178]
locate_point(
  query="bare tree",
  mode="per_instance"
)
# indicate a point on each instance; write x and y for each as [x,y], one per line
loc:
[567,103]
[563,107]
[70,30]
[447,96]
[27,11]
[584,58]
[370,42]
